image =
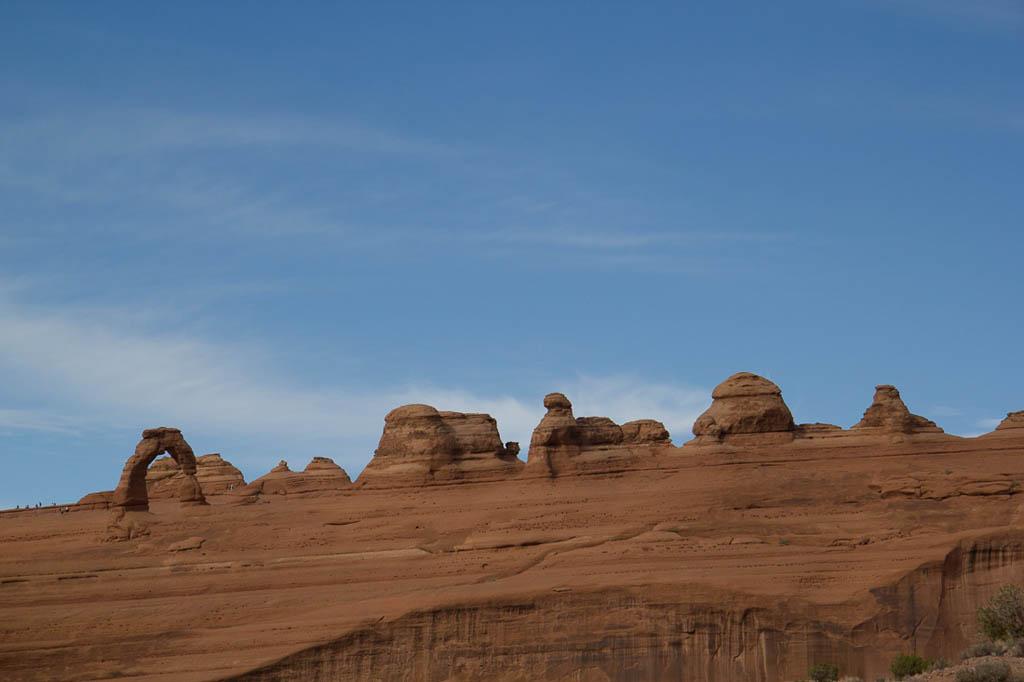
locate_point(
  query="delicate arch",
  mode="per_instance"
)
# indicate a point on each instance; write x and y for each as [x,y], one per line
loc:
[131,490]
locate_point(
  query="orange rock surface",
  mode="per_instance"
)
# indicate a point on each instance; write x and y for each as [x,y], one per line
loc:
[215,476]
[727,559]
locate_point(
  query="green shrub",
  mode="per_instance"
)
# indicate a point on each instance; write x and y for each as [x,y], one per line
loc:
[1003,617]
[824,672]
[995,671]
[906,665]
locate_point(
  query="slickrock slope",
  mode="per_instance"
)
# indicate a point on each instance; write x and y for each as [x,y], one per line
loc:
[215,476]
[420,445]
[564,444]
[733,560]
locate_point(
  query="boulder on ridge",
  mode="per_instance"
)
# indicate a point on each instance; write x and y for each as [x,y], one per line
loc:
[744,404]
[888,414]
[420,446]
[564,444]
[644,431]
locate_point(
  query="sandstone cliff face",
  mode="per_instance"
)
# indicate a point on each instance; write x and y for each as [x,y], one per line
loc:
[744,404]
[563,444]
[652,633]
[421,446]
[215,476]
[888,414]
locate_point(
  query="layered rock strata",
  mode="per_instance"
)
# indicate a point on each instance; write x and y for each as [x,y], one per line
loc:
[564,444]
[889,415]
[421,446]
[321,474]
[215,475]
[1012,426]
[742,406]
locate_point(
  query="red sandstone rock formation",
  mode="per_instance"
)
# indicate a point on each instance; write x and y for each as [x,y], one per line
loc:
[888,414]
[321,474]
[742,405]
[745,561]
[564,444]
[420,446]
[1011,427]
[215,475]
[131,491]
[93,501]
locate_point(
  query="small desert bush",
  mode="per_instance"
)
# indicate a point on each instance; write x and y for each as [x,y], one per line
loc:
[939,664]
[1003,617]
[983,649]
[992,671]
[824,672]
[906,665]
[850,678]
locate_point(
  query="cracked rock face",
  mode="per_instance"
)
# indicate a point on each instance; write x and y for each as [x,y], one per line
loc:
[744,403]
[421,445]
[887,413]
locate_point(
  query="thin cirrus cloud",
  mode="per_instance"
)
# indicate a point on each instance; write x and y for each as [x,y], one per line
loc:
[47,421]
[195,164]
[105,134]
[982,13]
[152,167]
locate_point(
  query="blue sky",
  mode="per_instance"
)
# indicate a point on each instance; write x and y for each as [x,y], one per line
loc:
[269,225]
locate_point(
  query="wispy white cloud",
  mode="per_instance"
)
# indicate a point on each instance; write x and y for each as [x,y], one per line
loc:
[983,426]
[109,367]
[986,13]
[104,134]
[14,420]
[193,172]
[621,397]
[624,238]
